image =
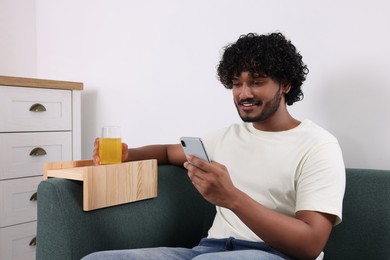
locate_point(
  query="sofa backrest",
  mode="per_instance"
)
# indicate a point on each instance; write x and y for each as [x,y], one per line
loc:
[364,232]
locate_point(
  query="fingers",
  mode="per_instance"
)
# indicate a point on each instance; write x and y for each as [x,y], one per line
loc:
[125,152]
[199,163]
[195,174]
[200,171]
[193,170]
[197,170]
[95,156]
[96,143]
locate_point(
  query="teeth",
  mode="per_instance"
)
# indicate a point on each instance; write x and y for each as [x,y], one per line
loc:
[247,105]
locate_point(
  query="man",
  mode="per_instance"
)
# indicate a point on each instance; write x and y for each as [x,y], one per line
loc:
[277,183]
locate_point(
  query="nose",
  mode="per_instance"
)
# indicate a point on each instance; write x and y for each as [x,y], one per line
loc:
[246,91]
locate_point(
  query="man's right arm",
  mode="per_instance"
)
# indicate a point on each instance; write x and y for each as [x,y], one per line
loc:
[164,153]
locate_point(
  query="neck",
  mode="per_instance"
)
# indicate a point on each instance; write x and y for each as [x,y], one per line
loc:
[280,121]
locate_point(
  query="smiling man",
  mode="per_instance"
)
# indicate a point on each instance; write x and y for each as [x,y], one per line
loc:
[277,182]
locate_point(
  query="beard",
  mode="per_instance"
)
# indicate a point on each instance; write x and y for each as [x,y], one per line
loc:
[268,111]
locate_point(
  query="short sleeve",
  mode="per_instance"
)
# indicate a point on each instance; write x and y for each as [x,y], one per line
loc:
[321,184]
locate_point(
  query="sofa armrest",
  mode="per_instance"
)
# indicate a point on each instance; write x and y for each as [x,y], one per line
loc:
[179,216]
[364,232]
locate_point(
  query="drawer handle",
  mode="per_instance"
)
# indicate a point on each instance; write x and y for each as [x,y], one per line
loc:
[33,242]
[34,197]
[38,151]
[37,108]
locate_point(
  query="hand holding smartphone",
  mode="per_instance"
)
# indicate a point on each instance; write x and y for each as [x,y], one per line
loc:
[194,146]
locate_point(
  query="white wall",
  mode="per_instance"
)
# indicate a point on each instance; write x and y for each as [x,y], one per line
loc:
[17,38]
[149,65]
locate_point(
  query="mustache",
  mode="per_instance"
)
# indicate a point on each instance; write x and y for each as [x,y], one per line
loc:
[250,100]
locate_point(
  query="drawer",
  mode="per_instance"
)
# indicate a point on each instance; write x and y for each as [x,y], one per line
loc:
[34,109]
[15,242]
[18,202]
[23,154]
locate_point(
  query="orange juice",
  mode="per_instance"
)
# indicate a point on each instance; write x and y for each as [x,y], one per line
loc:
[110,150]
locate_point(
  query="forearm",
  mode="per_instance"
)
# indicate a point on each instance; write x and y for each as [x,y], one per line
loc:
[165,154]
[290,235]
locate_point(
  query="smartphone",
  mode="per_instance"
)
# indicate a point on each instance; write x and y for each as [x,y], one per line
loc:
[194,146]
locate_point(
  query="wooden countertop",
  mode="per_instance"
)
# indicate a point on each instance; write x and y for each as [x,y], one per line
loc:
[40,83]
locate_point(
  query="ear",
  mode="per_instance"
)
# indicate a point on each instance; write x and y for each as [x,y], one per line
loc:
[286,88]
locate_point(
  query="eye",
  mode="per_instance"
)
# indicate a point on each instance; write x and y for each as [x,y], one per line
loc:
[259,82]
[236,84]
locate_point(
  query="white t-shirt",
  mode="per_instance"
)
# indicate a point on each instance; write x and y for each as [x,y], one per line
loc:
[287,171]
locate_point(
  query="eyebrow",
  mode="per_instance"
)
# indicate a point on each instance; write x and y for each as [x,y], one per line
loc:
[253,76]
[257,75]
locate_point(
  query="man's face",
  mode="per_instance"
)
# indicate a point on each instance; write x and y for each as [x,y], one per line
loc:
[256,98]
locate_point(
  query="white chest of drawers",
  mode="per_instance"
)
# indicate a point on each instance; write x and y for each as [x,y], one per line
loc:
[39,122]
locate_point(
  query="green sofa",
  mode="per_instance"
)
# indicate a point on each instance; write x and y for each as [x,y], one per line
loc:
[179,216]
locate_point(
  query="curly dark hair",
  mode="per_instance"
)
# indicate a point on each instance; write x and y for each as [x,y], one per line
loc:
[269,55]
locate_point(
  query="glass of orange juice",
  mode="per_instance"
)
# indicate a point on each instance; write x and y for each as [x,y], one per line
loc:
[110,145]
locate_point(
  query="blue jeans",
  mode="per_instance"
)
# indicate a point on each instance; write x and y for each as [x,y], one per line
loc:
[208,249]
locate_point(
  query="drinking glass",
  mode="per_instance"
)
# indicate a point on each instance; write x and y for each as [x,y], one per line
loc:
[110,145]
